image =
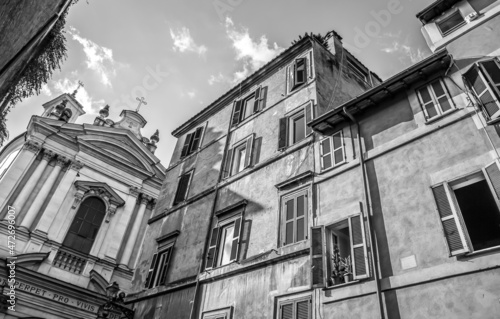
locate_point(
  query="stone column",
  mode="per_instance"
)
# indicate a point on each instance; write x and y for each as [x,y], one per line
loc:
[57,199]
[33,181]
[118,225]
[134,232]
[43,193]
[17,169]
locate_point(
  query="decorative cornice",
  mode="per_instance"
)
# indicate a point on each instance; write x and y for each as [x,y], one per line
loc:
[151,204]
[61,161]
[31,146]
[145,199]
[134,191]
[104,191]
[76,165]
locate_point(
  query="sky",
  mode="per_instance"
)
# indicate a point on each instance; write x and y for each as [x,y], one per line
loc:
[181,55]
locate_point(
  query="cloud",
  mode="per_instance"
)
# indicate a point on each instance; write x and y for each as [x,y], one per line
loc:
[45,90]
[183,42]
[191,94]
[405,51]
[99,58]
[216,79]
[253,54]
[90,106]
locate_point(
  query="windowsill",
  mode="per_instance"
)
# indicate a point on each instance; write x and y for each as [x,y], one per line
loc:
[333,167]
[481,252]
[305,140]
[437,118]
[342,285]
[493,122]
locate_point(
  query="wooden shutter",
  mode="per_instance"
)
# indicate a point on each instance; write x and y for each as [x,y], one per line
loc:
[318,256]
[452,227]
[212,249]
[338,148]
[309,116]
[236,239]
[249,150]
[303,309]
[187,142]
[196,140]
[300,73]
[256,104]
[151,272]
[282,138]
[359,255]
[325,151]
[491,73]
[483,92]
[164,266]
[493,176]
[227,164]
[286,311]
[236,113]
[291,77]
[260,99]
[182,188]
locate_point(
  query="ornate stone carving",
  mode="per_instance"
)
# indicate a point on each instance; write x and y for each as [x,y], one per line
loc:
[134,191]
[145,199]
[76,165]
[111,212]
[151,204]
[78,199]
[32,146]
[48,155]
[102,190]
[61,161]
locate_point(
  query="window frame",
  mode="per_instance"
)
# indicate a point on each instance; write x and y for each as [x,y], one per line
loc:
[291,73]
[435,99]
[357,71]
[230,155]
[454,28]
[285,133]
[189,147]
[306,191]
[293,300]
[331,154]
[244,106]
[225,313]
[240,105]
[237,151]
[159,267]
[175,202]
[291,122]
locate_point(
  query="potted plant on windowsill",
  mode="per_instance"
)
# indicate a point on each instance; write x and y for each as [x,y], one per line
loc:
[337,267]
[347,268]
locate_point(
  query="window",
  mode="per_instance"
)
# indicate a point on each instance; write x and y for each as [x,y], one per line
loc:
[226,313]
[331,151]
[299,308]
[484,80]
[357,71]
[435,99]
[246,107]
[157,274]
[239,157]
[225,241]
[192,142]
[451,23]
[85,225]
[297,74]
[469,211]
[293,128]
[344,255]
[183,188]
[294,215]
[479,5]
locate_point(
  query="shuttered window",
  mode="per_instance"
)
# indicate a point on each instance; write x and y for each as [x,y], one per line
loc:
[183,188]
[297,74]
[294,218]
[451,23]
[469,211]
[249,105]
[293,128]
[219,314]
[484,80]
[295,309]
[224,242]
[157,274]
[332,151]
[192,142]
[434,99]
[239,157]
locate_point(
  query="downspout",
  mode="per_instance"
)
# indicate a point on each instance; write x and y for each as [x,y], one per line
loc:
[366,187]
[209,227]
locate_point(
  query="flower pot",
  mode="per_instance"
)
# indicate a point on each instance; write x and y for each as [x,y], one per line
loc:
[347,278]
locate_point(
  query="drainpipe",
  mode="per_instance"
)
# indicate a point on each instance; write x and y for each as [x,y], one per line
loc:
[368,215]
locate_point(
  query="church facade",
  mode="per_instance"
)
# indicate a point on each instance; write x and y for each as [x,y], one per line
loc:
[74,201]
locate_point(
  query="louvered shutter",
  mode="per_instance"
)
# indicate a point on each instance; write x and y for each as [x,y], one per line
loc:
[182,188]
[493,174]
[359,255]
[212,249]
[338,148]
[282,138]
[452,226]
[300,69]
[491,73]
[227,164]
[164,266]
[236,239]
[187,142]
[303,309]
[236,113]
[483,92]
[151,272]
[260,99]
[196,140]
[256,103]
[249,151]
[286,311]
[291,77]
[325,151]
[318,256]
[309,116]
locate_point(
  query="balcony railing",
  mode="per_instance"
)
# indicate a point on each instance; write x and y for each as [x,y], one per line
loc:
[69,261]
